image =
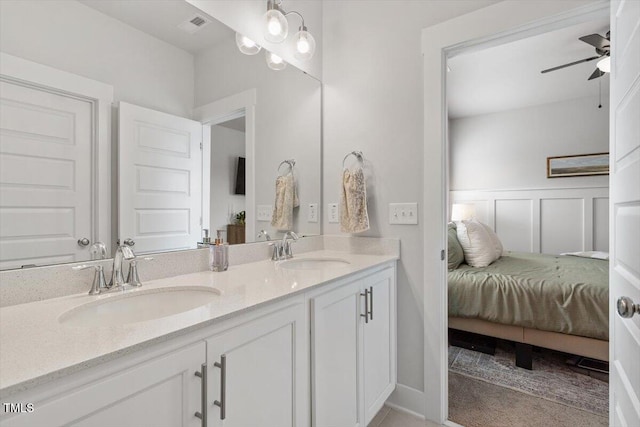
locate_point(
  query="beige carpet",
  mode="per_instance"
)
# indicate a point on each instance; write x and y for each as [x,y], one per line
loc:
[475,403]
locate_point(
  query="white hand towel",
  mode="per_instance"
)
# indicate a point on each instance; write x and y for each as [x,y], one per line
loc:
[286,200]
[353,202]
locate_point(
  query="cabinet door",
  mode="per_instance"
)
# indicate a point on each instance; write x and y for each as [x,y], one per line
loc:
[336,336]
[161,392]
[379,343]
[266,380]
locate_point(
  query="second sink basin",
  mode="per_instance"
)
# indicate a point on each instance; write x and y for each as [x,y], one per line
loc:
[314,263]
[137,306]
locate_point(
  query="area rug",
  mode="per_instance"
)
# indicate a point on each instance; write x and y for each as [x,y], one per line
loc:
[550,378]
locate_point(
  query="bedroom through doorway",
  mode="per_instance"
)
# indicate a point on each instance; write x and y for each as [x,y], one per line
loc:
[529,229]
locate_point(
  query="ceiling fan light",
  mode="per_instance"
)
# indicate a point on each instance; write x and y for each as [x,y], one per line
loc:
[604,65]
[246,45]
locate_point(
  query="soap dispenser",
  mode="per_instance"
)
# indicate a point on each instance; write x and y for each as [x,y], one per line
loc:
[219,254]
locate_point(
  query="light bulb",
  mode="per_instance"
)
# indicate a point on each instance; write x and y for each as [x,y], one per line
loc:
[604,65]
[275,62]
[246,45]
[276,26]
[305,44]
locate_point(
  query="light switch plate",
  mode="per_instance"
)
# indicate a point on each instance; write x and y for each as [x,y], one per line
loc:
[313,212]
[333,213]
[403,213]
[264,212]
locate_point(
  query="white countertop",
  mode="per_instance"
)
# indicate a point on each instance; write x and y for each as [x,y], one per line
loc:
[36,348]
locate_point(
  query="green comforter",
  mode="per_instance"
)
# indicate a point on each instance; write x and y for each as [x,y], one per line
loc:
[556,293]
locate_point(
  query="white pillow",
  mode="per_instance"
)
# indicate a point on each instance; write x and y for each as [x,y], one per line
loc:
[495,240]
[479,249]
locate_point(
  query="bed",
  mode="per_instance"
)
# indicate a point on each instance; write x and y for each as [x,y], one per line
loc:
[551,301]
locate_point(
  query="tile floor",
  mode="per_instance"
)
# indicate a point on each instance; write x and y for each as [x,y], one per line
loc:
[388,417]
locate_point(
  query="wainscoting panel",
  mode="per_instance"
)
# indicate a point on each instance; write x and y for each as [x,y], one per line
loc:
[544,220]
[514,224]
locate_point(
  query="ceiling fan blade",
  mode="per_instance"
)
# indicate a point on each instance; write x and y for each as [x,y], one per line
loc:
[570,64]
[595,40]
[597,73]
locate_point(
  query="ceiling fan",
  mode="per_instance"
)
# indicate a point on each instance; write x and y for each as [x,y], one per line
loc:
[603,49]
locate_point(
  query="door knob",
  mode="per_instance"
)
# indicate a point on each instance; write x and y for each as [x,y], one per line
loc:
[626,307]
[129,242]
[84,241]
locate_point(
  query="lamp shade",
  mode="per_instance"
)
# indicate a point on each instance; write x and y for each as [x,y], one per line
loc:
[462,212]
[305,45]
[276,27]
[275,62]
[246,45]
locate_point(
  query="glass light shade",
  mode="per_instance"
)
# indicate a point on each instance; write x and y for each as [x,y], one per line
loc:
[604,65]
[462,212]
[305,45]
[275,62]
[276,26]
[246,45]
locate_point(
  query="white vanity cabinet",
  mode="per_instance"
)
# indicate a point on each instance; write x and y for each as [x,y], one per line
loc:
[162,391]
[264,363]
[353,350]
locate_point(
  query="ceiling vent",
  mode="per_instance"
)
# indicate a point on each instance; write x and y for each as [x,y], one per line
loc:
[195,23]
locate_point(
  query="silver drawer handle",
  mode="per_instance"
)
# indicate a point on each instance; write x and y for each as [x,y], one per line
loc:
[366,305]
[203,394]
[223,386]
[626,307]
[371,302]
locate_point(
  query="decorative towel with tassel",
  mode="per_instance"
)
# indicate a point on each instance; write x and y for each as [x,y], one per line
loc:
[353,202]
[286,200]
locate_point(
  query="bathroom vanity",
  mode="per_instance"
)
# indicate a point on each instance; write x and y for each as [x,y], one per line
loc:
[304,342]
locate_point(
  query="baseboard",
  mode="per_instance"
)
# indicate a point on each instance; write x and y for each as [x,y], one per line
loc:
[407,399]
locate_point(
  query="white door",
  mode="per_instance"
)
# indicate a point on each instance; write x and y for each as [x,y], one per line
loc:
[45,176]
[336,340]
[625,212]
[162,392]
[160,179]
[379,343]
[263,363]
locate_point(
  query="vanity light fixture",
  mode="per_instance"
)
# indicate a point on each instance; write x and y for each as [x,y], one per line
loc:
[246,45]
[277,28]
[275,62]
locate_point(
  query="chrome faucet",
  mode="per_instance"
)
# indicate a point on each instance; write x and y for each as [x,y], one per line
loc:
[124,252]
[265,234]
[286,244]
[99,284]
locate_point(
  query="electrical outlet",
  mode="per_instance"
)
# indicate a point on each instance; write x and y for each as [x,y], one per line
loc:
[333,213]
[403,213]
[264,212]
[313,213]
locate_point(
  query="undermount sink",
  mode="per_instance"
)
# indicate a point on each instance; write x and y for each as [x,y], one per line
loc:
[137,306]
[314,263]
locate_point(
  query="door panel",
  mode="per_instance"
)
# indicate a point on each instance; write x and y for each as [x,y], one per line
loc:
[160,161]
[265,379]
[336,336]
[625,211]
[45,176]
[379,343]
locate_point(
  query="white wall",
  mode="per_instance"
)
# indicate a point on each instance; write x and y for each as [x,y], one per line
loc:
[373,101]
[245,17]
[70,36]
[509,150]
[226,146]
[288,122]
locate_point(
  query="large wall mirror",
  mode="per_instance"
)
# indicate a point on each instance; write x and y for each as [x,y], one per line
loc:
[194,135]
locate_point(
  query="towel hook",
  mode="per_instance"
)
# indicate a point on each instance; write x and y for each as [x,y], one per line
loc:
[357,154]
[290,162]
